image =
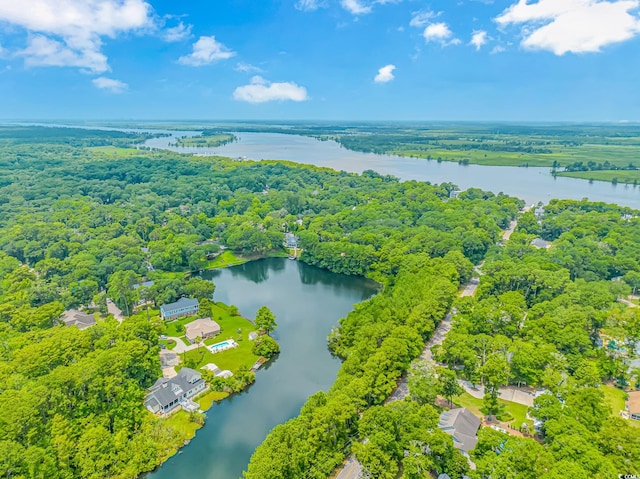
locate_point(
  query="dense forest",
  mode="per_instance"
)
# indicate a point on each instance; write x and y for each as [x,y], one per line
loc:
[78,224]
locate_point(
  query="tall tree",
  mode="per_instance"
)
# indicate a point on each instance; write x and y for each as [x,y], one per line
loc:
[266,320]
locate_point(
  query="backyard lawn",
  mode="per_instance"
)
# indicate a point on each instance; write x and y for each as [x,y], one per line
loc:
[227,258]
[231,359]
[517,411]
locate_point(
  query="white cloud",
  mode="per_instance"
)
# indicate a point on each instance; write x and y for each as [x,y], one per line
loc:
[356,7]
[421,18]
[360,7]
[247,68]
[385,74]
[178,33]
[573,26]
[205,51]
[261,91]
[309,5]
[114,86]
[440,32]
[42,51]
[498,49]
[77,28]
[479,39]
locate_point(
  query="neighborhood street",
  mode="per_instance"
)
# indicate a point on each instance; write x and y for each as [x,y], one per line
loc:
[353,469]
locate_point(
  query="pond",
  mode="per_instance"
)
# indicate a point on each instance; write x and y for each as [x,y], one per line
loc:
[307,302]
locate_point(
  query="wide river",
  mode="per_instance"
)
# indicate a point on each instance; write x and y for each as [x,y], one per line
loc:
[530,184]
[307,302]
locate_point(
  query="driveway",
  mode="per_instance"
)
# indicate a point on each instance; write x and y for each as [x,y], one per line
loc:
[113,309]
[181,347]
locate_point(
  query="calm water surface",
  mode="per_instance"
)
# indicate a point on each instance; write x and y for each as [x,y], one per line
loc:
[307,302]
[530,184]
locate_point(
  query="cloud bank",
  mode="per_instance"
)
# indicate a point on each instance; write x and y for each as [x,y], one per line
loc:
[573,26]
[71,32]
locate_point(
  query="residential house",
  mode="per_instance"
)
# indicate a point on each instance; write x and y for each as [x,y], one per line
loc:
[540,244]
[290,240]
[203,328]
[167,394]
[463,426]
[77,318]
[146,284]
[181,308]
[633,405]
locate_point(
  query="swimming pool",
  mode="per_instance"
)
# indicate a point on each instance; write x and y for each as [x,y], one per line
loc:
[229,343]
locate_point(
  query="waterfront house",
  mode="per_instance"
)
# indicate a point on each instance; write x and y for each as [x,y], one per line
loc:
[463,426]
[633,405]
[167,394]
[203,328]
[77,318]
[181,308]
[290,240]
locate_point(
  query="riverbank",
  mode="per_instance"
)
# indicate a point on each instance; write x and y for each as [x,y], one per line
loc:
[229,258]
[627,177]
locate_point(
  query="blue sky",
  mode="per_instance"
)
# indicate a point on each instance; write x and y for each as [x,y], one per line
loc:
[515,60]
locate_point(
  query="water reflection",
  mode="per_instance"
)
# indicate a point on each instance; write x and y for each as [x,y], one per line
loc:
[305,310]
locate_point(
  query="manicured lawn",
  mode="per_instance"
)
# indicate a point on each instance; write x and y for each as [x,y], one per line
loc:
[171,327]
[614,397]
[231,359]
[475,405]
[168,345]
[227,258]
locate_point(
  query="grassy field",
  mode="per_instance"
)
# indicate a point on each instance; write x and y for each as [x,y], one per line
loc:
[209,141]
[517,411]
[615,398]
[502,145]
[622,176]
[207,400]
[115,152]
[226,259]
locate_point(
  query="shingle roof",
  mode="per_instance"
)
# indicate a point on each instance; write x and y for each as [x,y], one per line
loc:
[77,318]
[463,425]
[181,303]
[165,391]
[146,284]
[201,327]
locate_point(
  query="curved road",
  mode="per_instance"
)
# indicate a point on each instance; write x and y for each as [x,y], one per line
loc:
[352,468]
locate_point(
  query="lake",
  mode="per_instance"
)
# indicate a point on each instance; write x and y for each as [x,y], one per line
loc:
[530,184]
[307,302]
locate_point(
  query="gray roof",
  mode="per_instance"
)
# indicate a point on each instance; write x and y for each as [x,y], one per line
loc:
[443,476]
[181,303]
[463,425]
[78,318]
[540,243]
[146,284]
[165,391]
